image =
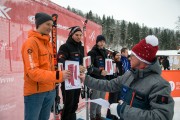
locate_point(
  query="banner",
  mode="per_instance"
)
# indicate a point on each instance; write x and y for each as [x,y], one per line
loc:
[73,82]
[173,76]
[16,19]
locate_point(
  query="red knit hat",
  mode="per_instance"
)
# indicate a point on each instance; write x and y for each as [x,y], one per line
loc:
[146,49]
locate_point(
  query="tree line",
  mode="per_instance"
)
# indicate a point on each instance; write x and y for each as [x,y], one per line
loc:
[121,33]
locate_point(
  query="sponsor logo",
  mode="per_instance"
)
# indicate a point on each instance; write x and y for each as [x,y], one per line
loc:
[62,27]
[172,84]
[177,85]
[92,36]
[6,80]
[3,12]
[7,106]
[43,2]
[31,61]
[76,54]
[4,46]
[31,19]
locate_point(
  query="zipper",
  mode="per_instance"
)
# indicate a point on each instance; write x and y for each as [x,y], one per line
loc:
[50,56]
[50,60]
[37,86]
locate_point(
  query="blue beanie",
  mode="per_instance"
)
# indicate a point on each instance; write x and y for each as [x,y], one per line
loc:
[100,38]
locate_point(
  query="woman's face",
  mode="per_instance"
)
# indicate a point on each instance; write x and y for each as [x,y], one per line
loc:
[77,36]
[117,57]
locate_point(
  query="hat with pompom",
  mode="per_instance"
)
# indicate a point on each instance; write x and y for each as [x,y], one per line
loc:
[146,49]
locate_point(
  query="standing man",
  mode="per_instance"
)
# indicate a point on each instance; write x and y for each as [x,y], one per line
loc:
[40,76]
[145,95]
[124,59]
[166,63]
[71,50]
[98,55]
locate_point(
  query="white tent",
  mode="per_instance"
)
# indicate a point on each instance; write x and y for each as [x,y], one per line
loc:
[168,53]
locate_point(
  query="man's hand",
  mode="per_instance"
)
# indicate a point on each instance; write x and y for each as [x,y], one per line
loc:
[82,69]
[82,77]
[66,74]
[104,73]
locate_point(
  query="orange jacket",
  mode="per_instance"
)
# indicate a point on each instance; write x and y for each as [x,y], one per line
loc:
[39,74]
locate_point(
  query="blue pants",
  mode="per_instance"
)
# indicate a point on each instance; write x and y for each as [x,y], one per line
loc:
[38,106]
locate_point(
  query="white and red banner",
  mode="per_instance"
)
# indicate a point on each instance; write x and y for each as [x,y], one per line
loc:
[16,19]
[87,61]
[109,66]
[74,81]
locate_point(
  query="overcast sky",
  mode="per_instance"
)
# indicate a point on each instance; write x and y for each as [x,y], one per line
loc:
[153,13]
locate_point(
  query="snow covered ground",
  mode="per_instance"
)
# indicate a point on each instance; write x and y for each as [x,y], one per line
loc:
[81,114]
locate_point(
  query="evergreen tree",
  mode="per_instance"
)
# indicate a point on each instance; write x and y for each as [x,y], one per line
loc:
[126,34]
[123,31]
[178,23]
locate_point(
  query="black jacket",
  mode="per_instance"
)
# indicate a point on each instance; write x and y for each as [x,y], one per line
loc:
[98,57]
[71,50]
[165,63]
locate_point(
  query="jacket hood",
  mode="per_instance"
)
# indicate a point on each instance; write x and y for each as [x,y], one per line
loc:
[152,68]
[32,33]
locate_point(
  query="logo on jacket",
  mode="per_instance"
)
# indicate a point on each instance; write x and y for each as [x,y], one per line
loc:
[76,55]
[3,12]
[29,51]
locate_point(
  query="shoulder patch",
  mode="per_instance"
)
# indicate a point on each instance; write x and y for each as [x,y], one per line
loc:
[29,51]
[162,99]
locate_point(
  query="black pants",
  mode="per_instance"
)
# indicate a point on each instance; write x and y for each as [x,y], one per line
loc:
[166,68]
[113,98]
[70,100]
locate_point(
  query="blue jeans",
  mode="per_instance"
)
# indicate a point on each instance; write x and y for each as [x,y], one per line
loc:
[38,106]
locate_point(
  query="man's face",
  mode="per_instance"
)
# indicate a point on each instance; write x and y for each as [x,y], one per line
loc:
[77,36]
[135,62]
[46,27]
[101,44]
[125,53]
[117,57]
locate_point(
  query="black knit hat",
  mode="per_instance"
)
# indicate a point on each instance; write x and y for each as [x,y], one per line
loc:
[41,17]
[100,38]
[114,53]
[74,29]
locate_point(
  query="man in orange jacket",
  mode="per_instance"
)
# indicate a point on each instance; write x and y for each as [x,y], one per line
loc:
[40,76]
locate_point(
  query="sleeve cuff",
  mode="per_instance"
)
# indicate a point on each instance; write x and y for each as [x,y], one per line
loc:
[120,109]
[57,75]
